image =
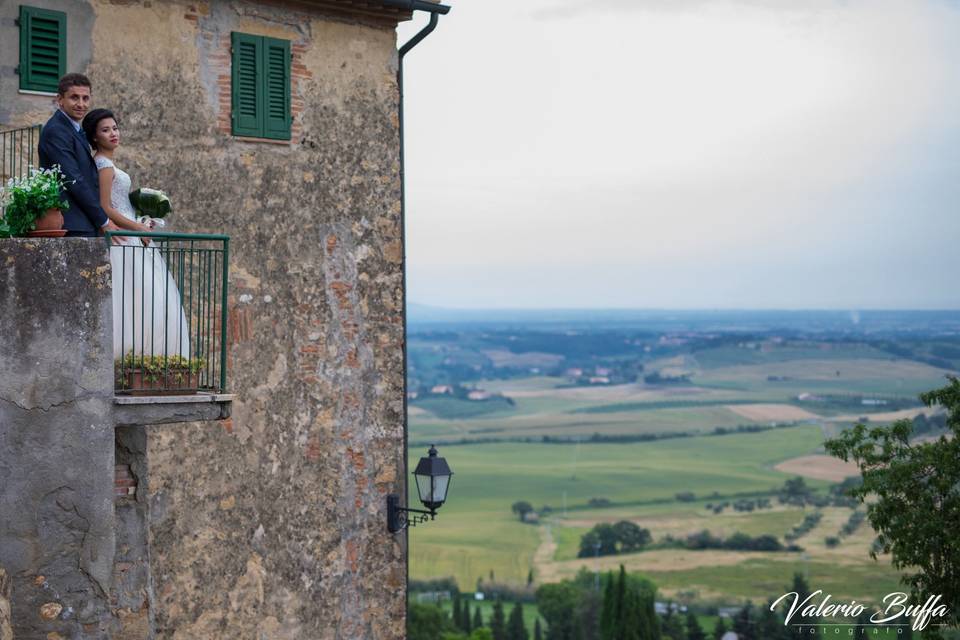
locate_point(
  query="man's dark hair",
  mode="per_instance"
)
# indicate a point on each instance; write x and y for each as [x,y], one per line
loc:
[92,120]
[72,80]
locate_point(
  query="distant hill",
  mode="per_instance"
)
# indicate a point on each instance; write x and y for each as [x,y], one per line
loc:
[807,321]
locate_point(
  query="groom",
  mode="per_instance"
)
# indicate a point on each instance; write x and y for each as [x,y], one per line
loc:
[62,143]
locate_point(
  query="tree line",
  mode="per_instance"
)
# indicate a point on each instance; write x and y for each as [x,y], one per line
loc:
[622,606]
[430,622]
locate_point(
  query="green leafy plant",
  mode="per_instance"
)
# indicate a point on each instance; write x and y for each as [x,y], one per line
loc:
[912,491]
[156,368]
[24,200]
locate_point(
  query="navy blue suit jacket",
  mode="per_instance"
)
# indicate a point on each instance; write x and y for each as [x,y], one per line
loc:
[61,144]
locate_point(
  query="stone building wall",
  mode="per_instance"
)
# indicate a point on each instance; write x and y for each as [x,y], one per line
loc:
[6,631]
[56,437]
[272,524]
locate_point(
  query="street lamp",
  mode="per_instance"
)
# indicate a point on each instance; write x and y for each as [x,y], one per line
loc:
[433,479]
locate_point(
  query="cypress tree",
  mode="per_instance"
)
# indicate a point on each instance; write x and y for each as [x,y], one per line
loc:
[671,625]
[477,618]
[863,625]
[694,630]
[498,624]
[802,590]
[516,630]
[648,615]
[465,617]
[720,629]
[743,623]
[618,631]
[769,624]
[457,619]
[537,633]
[631,617]
[607,612]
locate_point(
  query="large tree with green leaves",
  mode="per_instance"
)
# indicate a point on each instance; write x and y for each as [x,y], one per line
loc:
[630,536]
[914,490]
[608,539]
[521,508]
[427,622]
[557,604]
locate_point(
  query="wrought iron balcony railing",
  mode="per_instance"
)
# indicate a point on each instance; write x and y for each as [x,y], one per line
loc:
[169,312]
[18,152]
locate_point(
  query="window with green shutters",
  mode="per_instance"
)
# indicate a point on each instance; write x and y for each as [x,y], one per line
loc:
[260,87]
[43,48]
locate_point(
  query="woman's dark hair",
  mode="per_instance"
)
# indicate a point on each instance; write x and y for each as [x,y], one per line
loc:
[92,120]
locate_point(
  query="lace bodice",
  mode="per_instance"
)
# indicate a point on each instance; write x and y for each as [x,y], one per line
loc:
[120,191]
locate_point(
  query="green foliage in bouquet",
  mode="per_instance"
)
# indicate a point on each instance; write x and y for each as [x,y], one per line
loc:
[155,368]
[24,200]
[150,203]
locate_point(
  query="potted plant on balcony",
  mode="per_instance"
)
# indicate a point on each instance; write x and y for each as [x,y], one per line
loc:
[146,375]
[32,206]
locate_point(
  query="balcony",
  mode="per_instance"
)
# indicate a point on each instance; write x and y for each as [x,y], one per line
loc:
[169,299]
[18,152]
[170,293]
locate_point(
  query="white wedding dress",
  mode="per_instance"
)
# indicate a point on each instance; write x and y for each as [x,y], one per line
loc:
[148,315]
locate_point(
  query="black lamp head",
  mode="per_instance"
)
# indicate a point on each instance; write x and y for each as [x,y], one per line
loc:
[433,479]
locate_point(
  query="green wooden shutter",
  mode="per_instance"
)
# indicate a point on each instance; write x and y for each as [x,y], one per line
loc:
[276,89]
[247,95]
[43,48]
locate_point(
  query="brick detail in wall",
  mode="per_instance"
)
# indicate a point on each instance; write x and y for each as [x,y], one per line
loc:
[220,61]
[239,324]
[124,482]
[194,12]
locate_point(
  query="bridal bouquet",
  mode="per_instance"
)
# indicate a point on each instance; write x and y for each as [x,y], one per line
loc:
[150,203]
[23,201]
[151,207]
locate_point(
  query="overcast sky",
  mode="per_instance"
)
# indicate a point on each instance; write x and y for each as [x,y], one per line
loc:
[685,154]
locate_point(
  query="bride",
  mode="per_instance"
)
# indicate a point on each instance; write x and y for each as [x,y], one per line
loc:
[148,316]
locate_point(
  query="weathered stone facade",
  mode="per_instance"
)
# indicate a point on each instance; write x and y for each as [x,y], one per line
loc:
[56,434]
[6,631]
[270,524]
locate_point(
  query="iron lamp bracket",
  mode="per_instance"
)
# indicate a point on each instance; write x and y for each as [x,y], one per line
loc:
[400,518]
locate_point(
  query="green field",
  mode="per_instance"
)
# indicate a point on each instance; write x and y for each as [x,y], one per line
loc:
[476,533]
[758,579]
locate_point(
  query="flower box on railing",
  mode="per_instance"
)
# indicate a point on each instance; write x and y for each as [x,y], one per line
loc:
[158,375]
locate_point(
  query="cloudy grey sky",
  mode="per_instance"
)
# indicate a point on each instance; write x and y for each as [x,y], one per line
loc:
[685,154]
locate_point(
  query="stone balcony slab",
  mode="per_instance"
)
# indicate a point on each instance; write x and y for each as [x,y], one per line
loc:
[148,410]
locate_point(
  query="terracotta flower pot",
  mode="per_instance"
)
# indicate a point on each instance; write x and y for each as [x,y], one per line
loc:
[49,225]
